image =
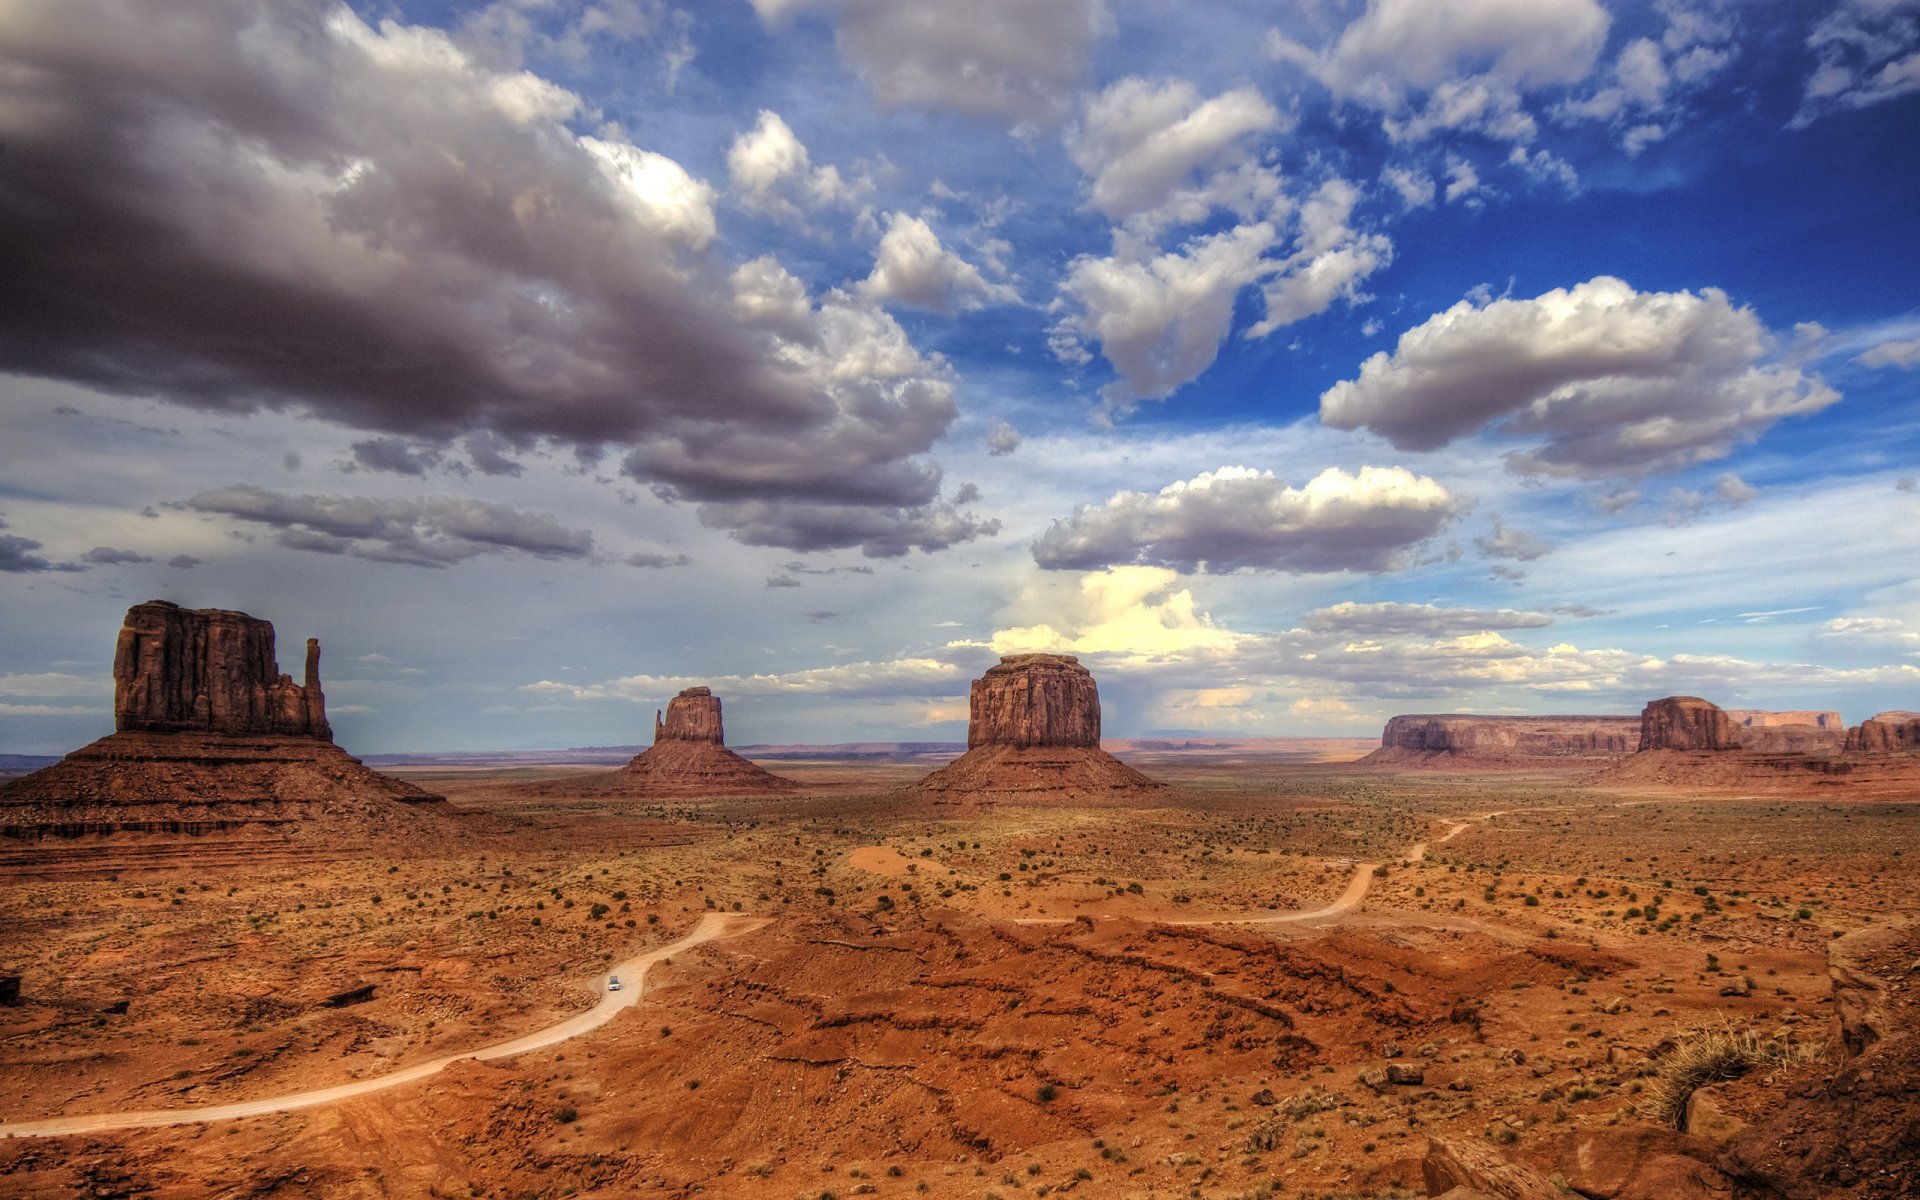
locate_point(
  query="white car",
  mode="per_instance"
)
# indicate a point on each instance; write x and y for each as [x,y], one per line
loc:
[613,983]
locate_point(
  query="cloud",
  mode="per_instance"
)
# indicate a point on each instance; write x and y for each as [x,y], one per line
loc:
[1902,354]
[54,685]
[1432,65]
[879,680]
[1130,614]
[1160,317]
[432,531]
[108,556]
[656,561]
[1242,519]
[393,455]
[1733,490]
[1610,380]
[1385,618]
[1644,92]
[183,562]
[783,581]
[487,452]
[1505,541]
[773,173]
[1415,186]
[1009,60]
[1329,264]
[17,557]
[1157,154]
[912,268]
[1866,52]
[1003,439]
[209,210]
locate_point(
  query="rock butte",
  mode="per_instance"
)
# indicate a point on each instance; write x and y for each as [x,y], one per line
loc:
[1033,729]
[209,735]
[1419,738]
[689,757]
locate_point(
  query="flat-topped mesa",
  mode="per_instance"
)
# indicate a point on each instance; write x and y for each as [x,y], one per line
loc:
[1420,736]
[1757,718]
[1895,732]
[1034,700]
[692,716]
[1687,723]
[208,670]
[1033,732]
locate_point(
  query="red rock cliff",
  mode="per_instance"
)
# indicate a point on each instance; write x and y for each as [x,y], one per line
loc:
[692,716]
[1462,734]
[210,671]
[1687,723]
[1034,700]
[1886,733]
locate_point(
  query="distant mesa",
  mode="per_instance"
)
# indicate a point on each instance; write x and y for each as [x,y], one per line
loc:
[1464,738]
[1893,732]
[209,735]
[1690,723]
[1033,730]
[689,757]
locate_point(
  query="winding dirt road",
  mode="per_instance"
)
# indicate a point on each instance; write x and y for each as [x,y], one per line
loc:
[634,971]
[711,926]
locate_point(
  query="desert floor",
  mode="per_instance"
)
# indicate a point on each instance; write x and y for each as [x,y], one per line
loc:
[1197,993]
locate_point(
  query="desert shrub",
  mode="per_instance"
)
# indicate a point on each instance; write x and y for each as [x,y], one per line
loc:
[1712,1056]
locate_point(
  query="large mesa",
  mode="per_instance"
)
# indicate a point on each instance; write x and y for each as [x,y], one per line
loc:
[1033,731]
[1461,738]
[689,757]
[208,735]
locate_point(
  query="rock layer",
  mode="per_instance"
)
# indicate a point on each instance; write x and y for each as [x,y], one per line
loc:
[1687,723]
[1034,700]
[1419,737]
[1033,731]
[209,736]
[211,671]
[689,757]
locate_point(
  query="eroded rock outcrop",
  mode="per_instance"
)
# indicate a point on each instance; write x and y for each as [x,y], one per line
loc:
[1033,731]
[1895,732]
[1421,738]
[689,757]
[209,736]
[1759,718]
[1687,723]
[212,671]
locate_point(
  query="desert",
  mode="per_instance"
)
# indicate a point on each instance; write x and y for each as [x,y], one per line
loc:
[1253,968]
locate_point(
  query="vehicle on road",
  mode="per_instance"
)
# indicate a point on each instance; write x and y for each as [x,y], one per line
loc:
[613,983]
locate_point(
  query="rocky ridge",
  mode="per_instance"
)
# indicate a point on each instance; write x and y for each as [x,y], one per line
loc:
[1033,731]
[209,736]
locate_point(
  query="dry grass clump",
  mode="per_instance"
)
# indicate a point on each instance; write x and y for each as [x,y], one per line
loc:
[1270,1134]
[1713,1056]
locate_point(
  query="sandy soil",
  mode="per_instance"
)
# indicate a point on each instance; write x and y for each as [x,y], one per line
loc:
[1004,1000]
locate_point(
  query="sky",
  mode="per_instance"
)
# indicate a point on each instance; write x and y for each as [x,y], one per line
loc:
[1292,365]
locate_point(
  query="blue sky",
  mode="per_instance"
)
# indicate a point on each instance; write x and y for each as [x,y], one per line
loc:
[1293,365]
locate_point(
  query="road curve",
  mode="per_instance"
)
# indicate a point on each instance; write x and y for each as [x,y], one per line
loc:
[711,926]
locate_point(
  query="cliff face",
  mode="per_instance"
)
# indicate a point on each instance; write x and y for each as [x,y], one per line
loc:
[1465,735]
[208,670]
[1755,718]
[1886,733]
[692,716]
[1034,700]
[1687,723]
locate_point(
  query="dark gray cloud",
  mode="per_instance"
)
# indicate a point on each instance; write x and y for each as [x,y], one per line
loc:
[272,204]
[783,581]
[656,561]
[799,568]
[109,556]
[1238,519]
[394,455]
[431,531]
[487,452]
[183,562]
[833,527]
[17,557]
[1606,380]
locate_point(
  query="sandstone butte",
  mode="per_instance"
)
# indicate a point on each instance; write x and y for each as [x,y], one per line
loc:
[209,735]
[1421,738]
[689,757]
[1033,731]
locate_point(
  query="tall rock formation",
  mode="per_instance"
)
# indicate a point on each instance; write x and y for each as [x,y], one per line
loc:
[1033,731]
[209,736]
[1687,723]
[688,757]
[1463,738]
[212,671]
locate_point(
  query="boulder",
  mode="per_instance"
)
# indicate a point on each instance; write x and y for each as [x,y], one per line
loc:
[1457,1162]
[1033,731]
[1687,723]
[1601,1161]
